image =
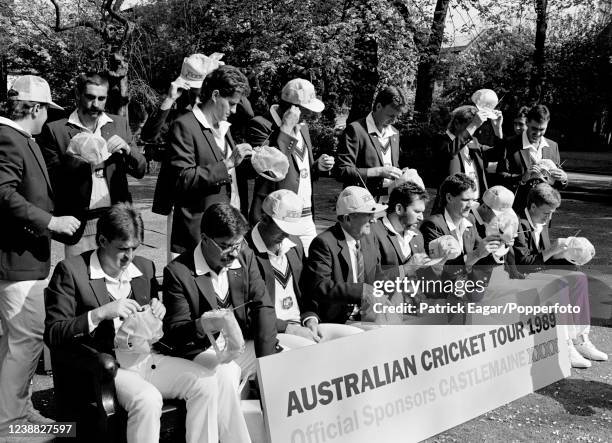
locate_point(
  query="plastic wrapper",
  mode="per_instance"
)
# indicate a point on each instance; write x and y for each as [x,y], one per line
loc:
[408,175]
[138,332]
[90,147]
[444,246]
[270,163]
[579,250]
[223,321]
[486,100]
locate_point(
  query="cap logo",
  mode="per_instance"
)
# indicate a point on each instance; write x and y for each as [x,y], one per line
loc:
[190,75]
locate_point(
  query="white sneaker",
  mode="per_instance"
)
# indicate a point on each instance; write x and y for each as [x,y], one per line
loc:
[577,360]
[34,416]
[588,349]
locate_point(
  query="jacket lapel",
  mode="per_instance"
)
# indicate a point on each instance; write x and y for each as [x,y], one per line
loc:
[307,142]
[237,290]
[524,157]
[345,253]
[268,273]
[396,245]
[295,267]
[205,286]
[395,149]
[377,147]
[98,287]
[140,290]
[40,160]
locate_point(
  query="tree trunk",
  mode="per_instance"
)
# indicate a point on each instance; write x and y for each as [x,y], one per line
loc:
[429,59]
[365,77]
[118,91]
[538,76]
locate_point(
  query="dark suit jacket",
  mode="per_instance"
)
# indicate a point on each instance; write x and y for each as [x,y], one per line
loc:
[447,151]
[200,177]
[389,247]
[327,277]
[187,296]
[72,294]
[515,160]
[295,258]
[358,151]
[263,131]
[529,255]
[26,205]
[71,176]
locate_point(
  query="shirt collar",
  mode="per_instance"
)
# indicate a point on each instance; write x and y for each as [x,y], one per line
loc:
[7,122]
[409,233]
[463,224]
[201,265]
[350,241]
[260,245]
[387,131]
[199,115]
[96,271]
[76,121]
[536,227]
[528,145]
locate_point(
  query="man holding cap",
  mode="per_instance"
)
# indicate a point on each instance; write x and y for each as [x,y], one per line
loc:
[344,260]
[282,128]
[369,150]
[280,258]
[25,246]
[83,188]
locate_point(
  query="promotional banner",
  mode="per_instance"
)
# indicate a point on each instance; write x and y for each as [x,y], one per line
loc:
[406,383]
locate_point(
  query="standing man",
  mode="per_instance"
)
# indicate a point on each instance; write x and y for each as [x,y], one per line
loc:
[282,128]
[369,150]
[526,150]
[460,151]
[27,224]
[88,299]
[83,189]
[203,157]
[219,272]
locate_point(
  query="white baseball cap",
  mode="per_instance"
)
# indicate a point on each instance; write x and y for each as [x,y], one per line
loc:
[354,199]
[408,175]
[269,162]
[486,100]
[34,89]
[197,66]
[301,92]
[285,208]
[498,198]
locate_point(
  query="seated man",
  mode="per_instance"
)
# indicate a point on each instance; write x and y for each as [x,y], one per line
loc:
[344,260]
[280,257]
[218,273]
[451,218]
[87,300]
[534,250]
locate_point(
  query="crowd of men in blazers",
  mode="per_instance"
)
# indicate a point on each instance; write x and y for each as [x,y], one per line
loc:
[251,280]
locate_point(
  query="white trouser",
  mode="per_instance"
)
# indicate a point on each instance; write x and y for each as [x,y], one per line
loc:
[246,360]
[213,405]
[86,243]
[576,294]
[22,311]
[310,232]
[330,331]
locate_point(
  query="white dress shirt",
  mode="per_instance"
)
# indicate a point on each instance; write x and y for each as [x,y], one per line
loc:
[100,193]
[384,137]
[403,239]
[537,228]
[219,281]
[535,151]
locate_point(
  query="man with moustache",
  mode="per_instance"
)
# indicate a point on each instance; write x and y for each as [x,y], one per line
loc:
[369,150]
[26,210]
[83,189]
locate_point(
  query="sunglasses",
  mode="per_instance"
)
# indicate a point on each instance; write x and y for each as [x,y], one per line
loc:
[226,249]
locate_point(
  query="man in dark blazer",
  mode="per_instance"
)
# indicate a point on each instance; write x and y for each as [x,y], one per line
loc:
[218,273]
[282,128]
[84,189]
[88,299]
[369,150]
[203,157]
[26,209]
[451,218]
[535,252]
[344,260]
[524,151]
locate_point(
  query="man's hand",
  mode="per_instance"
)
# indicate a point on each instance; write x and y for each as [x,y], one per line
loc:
[497,123]
[415,262]
[242,151]
[533,169]
[558,247]
[66,224]
[301,331]
[117,144]
[489,244]
[477,121]
[558,175]
[121,308]
[158,308]
[291,118]
[390,172]
[313,325]
[176,89]
[325,162]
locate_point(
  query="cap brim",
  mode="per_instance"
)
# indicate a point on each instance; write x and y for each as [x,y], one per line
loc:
[194,84]
[55,106]
[291,228]
[314,105]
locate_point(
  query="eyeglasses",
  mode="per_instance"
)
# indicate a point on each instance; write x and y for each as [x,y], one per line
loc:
[226,249]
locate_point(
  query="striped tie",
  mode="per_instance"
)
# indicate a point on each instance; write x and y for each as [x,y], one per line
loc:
[360,265]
